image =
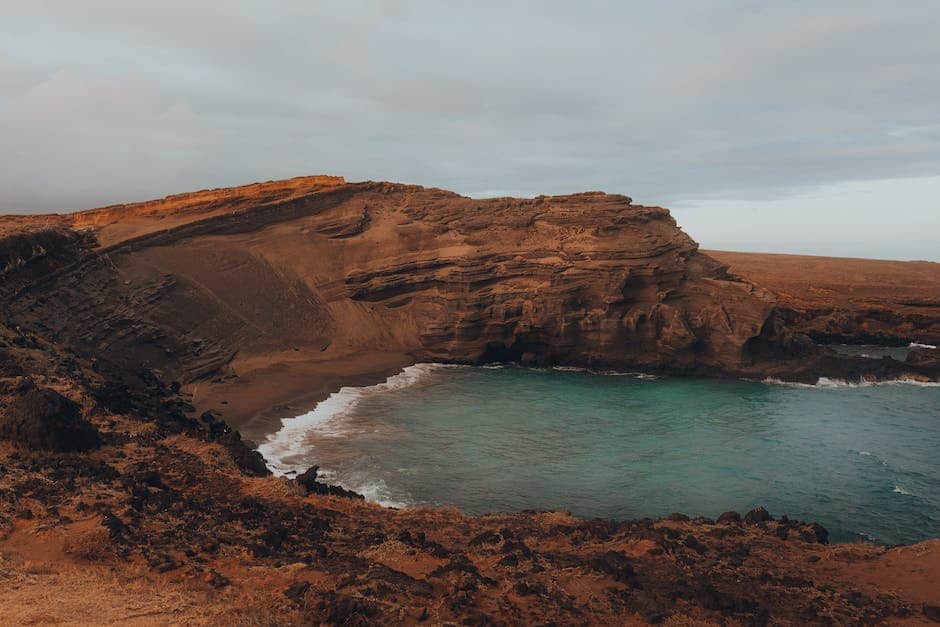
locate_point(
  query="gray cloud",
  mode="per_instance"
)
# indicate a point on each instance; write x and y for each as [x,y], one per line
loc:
[687,101]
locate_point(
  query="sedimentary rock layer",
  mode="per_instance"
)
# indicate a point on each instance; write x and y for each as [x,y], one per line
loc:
[849,300]
[116,493]
[223,282]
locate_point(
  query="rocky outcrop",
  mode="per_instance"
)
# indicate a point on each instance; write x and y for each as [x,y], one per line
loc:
[851,301]
[927,360]
[202,287]
[139,312]
[307,480]
[32,252]
[39,418]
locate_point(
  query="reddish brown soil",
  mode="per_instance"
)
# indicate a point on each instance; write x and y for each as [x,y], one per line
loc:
[158,528]
[854,300]
[257,301]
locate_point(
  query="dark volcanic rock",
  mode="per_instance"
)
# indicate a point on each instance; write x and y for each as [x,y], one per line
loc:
[308,481]
[778,342]
[814,532]
[42,419]
[757,515]
[926,360]
[615,564]
[296,591]
[8,365]
[246,458]
[932,612]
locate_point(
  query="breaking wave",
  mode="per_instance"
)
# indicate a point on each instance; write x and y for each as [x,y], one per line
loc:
[606,373]
[827,383]
[286,451]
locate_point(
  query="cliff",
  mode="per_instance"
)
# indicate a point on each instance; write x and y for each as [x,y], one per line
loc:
[125,332]
[238,287]
[849,300]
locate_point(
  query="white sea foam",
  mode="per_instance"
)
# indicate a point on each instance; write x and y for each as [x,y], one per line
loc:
[827,383]
[873,456]
[286,450]
[605,373]
[867,536]
[901,490]
[919,345]
[378,492]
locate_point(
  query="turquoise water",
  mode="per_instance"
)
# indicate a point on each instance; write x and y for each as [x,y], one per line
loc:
[862,461]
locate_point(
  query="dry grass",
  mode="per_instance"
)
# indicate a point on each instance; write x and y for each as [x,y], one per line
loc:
[259,608]
[95,594]
[93,545]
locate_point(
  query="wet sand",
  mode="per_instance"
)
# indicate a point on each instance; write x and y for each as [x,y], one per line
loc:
[268,388]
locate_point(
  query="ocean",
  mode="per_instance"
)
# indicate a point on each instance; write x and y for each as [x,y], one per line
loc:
[863,461]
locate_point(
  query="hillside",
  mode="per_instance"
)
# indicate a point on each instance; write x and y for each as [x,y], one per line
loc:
[837,299]
[133,339]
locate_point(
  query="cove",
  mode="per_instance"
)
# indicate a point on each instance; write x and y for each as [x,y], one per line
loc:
[860,460]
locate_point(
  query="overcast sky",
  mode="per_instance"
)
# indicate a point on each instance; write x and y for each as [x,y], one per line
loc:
[808,127]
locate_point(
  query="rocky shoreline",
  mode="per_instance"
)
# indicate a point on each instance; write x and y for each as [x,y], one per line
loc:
[131,337]
[187,502]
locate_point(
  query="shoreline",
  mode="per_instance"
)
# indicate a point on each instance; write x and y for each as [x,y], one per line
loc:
[289,458]
[256,400]
[288,291]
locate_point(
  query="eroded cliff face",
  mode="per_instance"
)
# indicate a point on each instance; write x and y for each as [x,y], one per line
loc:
[165,512]
[222,282]
[847,300]
[588,280]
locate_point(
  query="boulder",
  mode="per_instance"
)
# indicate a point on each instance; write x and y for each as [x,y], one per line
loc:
[8,365]
[308,481]
[814,532]
[246,458]
[39,418]
[932,612]
[757,515]
[926,360]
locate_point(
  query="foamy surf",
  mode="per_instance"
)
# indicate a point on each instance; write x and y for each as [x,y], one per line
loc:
[606,373]
[919,345]
[378,492]
[286,451]
[827,383]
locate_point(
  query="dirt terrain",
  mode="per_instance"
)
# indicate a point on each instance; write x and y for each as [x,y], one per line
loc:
[133,338]
[275,292]
[836,299]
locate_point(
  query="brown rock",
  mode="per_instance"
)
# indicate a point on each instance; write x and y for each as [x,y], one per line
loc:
[932,612]
[927,360]
[235,280]
[42,419]
[852,301]
[757,515]
[308,481]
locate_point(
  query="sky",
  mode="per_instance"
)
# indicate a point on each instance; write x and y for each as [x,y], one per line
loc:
[789,126]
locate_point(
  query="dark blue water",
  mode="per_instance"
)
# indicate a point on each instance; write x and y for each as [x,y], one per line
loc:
[862,461]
